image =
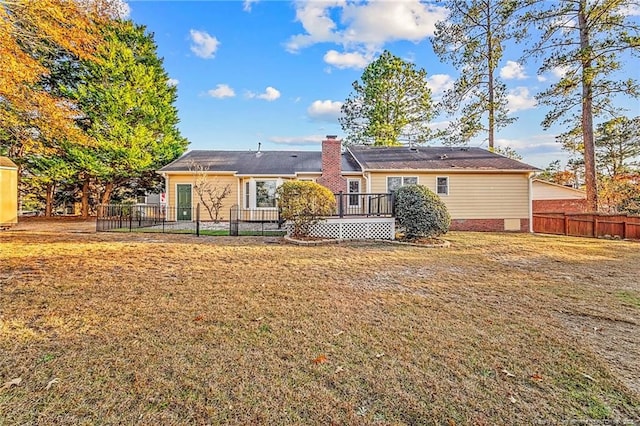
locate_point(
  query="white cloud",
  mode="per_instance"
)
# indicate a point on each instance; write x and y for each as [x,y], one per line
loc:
[347,59]
[439,83]
[117,9]
[541,78]
[513,70]
[538,150]
[123,10]
[247,4]
[204,45]
[630,10]
[326,110]
[560,72]
[362,26]
[270,94]
[439,125]
[317,23]
[222,91]
[173,82]
[382,21]
[519,99]
[297,140]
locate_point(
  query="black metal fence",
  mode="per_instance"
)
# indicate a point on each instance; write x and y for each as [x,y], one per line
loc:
[254,222]
[148,218]
[186,220]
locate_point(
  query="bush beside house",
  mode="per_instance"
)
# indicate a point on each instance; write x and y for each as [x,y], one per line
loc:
[420,213]
[303,204]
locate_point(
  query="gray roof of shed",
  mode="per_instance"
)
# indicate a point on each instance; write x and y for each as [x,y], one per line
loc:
[434,158]
[281,163]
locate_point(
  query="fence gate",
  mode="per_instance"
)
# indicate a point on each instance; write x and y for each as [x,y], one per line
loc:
[234,220]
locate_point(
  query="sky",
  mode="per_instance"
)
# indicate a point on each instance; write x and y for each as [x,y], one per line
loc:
[277,72]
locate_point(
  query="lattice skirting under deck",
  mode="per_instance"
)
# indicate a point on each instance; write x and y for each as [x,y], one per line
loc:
[356,229]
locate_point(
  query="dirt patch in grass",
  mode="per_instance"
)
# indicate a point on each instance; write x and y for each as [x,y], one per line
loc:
[175,329]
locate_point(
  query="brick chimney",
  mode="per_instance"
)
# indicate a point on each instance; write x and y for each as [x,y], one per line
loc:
[332,165]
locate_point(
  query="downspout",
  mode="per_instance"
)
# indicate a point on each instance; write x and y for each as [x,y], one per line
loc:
[531,202]
[239,196]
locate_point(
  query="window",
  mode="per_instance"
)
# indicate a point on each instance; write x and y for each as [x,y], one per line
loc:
[353,187]
[442,185]
[246,196]
[306,179]
[395,182]
[265,193]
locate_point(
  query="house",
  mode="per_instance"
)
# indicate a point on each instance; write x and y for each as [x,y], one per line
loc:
[8,193]
[549,197]
[482,190]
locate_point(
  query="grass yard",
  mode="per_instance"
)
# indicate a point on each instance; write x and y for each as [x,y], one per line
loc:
[174,329]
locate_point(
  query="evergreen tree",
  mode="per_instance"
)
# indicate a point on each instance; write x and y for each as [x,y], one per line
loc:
[128,107]
[588,41]
[391,103]
[472,40]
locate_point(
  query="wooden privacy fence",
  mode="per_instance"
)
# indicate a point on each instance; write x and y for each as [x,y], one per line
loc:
[588,225]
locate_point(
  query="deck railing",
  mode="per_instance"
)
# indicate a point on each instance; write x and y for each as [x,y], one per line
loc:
[364,204]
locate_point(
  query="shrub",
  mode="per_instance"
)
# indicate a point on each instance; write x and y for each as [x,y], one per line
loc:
[304,204]
[420,212]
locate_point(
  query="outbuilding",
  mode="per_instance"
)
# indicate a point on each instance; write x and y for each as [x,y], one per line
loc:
[8,193]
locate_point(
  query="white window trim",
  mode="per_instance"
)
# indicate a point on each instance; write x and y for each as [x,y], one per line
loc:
[437,189]
[403,177]
[246,196]
[253,195]
[359,191]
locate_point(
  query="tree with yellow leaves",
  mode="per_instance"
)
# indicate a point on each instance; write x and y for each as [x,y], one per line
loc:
[30,32]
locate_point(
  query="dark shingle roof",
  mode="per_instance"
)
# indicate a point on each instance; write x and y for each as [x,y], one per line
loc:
[282,163]
[434,158]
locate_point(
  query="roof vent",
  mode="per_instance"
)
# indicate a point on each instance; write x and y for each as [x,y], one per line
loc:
[443,157]
[294,155]
[332,136]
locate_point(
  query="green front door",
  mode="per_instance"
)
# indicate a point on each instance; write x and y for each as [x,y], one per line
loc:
[184,202]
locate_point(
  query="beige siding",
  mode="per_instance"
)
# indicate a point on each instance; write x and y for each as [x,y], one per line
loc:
[474,195]
[549,191]
[236,184]
[8,196]
[218,180]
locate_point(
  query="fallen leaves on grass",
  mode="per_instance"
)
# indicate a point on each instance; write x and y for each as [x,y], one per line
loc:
[199,318]
[586,376]
[12,382]
[51,383]
[508,373]
[320,359]
[536,377]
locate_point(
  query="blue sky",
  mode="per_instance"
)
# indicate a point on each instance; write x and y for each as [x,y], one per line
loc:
[276,72]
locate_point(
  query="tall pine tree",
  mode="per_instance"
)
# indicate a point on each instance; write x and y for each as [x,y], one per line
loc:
[588,41]
[472,39]
[391,103]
